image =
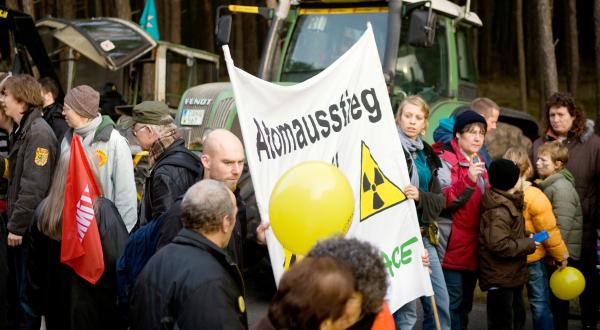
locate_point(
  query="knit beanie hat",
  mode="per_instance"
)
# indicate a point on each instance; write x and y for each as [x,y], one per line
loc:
[466,118]
[503,174]
[84,100]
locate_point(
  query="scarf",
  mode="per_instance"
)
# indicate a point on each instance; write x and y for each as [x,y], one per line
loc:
[411,146]
[86,131]
[161,144]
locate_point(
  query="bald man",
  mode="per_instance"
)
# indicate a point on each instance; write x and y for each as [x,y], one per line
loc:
[223,160]
[223,157]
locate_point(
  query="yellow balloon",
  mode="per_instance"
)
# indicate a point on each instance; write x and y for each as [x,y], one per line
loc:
[310,202]
[567,283]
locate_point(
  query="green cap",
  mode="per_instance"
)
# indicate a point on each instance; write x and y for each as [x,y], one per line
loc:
[152,112]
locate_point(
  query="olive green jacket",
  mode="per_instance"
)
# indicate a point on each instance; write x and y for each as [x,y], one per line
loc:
[560,189]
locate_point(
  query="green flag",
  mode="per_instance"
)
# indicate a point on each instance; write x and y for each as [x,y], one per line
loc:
[148,20]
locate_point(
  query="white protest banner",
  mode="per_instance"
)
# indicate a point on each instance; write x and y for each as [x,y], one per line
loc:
[341,116]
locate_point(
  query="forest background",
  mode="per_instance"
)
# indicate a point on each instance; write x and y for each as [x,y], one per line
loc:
[525,50]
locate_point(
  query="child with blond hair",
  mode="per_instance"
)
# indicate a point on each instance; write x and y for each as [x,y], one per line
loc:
[559,186]
[539,218]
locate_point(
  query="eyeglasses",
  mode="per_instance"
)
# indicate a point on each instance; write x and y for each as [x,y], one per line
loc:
[135,131]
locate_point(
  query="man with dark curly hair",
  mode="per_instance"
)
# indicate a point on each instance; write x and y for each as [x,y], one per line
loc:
[566,122]
[369,272]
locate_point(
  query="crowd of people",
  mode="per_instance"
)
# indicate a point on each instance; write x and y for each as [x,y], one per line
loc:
[500,222]
[505,223]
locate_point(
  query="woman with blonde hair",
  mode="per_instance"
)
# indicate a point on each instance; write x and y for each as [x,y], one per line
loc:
[424,188]
[538,217]
[53,289]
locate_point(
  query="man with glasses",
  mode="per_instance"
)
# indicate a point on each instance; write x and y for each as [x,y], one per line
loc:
[173,168]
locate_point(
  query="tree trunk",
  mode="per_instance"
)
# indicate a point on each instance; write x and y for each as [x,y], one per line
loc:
[547,60]
[175,21]
[175,74]
[206,20]
[123,9]
[48,8]
[486,40]
[250,43]
[530,42]
[66,8]
[521,55]
[573,47]
[505,39]
[162,19]
[237,46]
[475,41]
[147,89]
[597,51]
[29,8]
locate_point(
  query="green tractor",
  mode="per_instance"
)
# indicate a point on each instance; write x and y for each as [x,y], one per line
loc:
[424,47]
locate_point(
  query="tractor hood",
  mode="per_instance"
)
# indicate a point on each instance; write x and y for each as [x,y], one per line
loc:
[110,42]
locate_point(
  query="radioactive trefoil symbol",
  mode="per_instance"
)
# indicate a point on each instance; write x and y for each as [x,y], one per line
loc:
[378,193]
[377,201]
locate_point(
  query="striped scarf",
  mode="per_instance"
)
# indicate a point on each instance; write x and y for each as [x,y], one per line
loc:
[162,144]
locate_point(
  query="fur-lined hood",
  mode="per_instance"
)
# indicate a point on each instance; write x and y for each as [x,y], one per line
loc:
[589,131]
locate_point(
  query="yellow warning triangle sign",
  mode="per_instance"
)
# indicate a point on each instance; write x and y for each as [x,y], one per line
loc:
[377,192]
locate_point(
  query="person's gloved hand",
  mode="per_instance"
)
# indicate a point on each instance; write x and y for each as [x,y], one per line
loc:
[540,237]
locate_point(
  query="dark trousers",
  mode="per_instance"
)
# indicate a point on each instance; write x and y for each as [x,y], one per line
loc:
[461,287]
[17,308]
[590,298]
[559,307]
[3,274]
[505,309]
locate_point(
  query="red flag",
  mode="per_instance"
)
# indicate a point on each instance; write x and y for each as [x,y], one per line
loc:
[81,248]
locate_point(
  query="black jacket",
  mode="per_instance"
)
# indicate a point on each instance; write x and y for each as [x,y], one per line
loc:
[172,225]
[53,116]
[189,284]
[175,170]
[57,292]
[32,155]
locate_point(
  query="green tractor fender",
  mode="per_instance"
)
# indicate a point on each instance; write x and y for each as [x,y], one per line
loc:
[204,108]
[438,111]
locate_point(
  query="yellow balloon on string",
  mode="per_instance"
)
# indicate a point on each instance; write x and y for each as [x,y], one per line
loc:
[567,283]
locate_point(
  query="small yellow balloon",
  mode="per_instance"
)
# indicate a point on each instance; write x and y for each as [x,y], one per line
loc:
[567,283]
[310,202]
